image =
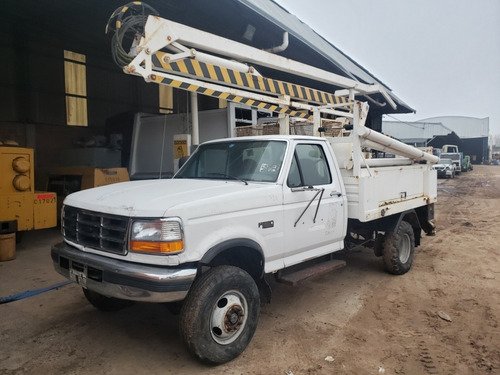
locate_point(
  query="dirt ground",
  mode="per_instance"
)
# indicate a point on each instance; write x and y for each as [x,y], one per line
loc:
[357,320]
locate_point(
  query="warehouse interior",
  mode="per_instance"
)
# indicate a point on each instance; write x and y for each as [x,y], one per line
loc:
[69,112]
[46,42]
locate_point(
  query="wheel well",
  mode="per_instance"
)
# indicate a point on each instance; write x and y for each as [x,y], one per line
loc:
[388,224]
[244,257]
[412,219]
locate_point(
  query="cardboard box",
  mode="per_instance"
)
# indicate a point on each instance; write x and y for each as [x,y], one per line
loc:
[88,177]
[67,180]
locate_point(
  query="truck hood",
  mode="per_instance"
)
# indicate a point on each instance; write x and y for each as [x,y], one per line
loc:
[441,166]
[175,197]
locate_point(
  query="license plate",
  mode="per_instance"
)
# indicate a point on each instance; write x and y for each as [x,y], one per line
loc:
[78,277]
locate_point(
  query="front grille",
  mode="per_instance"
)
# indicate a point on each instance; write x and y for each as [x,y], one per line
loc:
[96,230]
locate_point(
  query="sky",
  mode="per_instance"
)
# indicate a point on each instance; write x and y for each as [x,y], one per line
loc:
[441,57]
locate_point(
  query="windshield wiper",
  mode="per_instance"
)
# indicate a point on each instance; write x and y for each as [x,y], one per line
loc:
[228,176]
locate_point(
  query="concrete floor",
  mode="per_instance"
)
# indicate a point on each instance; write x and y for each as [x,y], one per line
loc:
[32,267]
[59,333]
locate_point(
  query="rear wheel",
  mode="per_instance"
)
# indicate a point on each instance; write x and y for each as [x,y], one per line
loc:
[398,249]
[220,314]
[378,245]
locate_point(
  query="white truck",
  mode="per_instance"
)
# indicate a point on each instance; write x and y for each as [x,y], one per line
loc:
[457,157]
[243,209]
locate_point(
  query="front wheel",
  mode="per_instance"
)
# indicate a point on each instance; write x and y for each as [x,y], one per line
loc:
[220,314]
[398,249]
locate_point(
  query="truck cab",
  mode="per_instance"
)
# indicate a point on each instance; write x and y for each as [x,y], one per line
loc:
[300,170]
[281,198]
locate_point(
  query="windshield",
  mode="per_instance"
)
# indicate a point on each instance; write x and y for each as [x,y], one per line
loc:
[241,160]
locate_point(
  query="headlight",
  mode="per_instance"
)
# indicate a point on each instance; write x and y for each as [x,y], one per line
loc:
[162,236]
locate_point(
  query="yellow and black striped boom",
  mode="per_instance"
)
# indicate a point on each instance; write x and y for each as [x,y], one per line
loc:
[206,72]
[170,53]
[181,56]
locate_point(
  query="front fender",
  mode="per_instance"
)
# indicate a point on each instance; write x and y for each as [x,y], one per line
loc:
[230,244]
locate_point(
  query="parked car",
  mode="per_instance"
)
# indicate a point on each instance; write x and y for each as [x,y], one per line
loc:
[445,168]
[456,158]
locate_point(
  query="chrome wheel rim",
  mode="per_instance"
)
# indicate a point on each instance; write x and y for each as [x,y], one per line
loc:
[405,249]
[229,317]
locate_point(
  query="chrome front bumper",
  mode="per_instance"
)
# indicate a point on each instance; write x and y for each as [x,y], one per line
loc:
[120,279]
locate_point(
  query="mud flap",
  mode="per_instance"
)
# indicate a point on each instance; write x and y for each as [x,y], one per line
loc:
[265,290]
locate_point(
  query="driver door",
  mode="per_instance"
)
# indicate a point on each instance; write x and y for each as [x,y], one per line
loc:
[314,205]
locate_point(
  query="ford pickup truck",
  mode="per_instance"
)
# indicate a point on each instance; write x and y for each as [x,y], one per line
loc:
[239,211]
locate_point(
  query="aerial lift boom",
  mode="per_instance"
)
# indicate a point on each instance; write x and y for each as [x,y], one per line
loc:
[166,52]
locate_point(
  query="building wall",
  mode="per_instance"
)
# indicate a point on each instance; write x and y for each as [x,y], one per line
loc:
[414,130]
[473,133]
[35,90]
[465,127]
[477,148]
[33,105]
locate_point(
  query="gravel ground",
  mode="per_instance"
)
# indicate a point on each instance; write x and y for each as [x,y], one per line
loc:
[440,318]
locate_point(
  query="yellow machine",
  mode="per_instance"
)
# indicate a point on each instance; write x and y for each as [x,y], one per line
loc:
[21,207]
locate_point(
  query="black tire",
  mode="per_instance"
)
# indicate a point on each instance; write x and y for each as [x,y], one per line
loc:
[174,307]
[220,314]
[398,249]
[378,245]
[104,303]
